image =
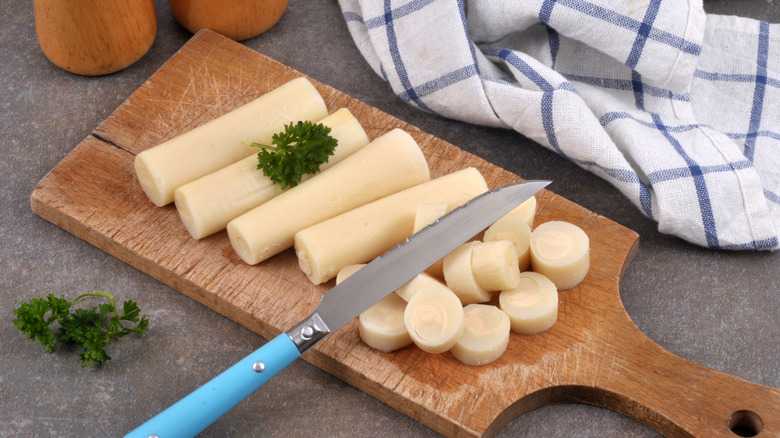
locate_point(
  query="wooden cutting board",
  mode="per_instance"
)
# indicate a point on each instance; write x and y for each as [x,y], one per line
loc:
[594,354]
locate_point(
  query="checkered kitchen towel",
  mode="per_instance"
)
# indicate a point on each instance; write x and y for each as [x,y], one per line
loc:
[678,109]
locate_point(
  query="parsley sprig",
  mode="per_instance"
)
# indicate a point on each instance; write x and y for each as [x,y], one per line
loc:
[91,330]
[297,151]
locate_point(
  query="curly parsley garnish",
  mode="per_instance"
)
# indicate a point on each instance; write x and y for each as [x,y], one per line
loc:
[297,151]
[88,329]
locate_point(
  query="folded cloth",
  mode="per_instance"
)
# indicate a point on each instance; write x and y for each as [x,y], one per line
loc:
[678,109]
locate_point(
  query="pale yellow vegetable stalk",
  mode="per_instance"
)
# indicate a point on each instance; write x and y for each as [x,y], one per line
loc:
[225,140]
[364,233]
[207,204]
[561,252]
[434,319]
[485,335]
[385,166]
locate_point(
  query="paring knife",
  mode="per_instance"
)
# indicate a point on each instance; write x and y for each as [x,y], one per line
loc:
[190,415]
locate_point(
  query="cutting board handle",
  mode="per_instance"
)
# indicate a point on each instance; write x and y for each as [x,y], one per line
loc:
[604,359]
[673,395]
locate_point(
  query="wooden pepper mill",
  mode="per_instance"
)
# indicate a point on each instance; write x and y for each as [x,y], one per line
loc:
[95,37]
[236,19]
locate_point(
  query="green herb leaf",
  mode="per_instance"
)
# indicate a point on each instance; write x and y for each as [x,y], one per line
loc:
[32,318]
[297,151]
[91,330]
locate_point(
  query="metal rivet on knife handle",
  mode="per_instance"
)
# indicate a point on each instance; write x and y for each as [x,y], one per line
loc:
[308,332]
[258,367]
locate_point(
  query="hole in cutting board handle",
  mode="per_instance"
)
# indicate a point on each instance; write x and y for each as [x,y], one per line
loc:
[745,423]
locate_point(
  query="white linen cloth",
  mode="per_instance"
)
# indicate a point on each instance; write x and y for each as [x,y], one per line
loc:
[679,109]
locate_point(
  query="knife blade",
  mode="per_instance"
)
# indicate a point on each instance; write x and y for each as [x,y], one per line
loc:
[193,413]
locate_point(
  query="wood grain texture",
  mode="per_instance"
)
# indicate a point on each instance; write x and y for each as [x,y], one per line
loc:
[594,354]
[236,19]
[93,37]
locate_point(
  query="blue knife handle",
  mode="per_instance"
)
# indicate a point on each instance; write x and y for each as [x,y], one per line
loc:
[190,415]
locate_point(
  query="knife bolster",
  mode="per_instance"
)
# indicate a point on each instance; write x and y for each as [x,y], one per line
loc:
[308,332]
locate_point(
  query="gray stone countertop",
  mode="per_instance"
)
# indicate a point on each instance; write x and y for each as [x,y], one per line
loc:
[718,309]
